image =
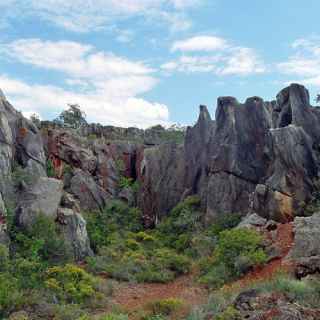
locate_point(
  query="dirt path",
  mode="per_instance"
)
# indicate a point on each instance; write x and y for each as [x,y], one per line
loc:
[136,296]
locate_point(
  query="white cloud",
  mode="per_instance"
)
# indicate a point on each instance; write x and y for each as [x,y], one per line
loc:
[75,59]
[106,86]
[200,43]
[242,61]
[98,106]
[192,64]
[92,15]
[215,55]
[305,61]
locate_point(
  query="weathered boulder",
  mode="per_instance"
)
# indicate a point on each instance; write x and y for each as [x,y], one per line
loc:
[307,237]
[252,221]
[306,248]
[73,227]
[90,195]
[43,197]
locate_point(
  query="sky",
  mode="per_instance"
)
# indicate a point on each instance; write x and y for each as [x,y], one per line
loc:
[146,62]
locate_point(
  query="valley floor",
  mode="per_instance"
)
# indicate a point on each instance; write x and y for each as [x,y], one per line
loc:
[134,298]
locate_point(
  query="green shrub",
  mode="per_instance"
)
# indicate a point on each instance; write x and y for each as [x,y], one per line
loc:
[69,312]
[237,243]
[236,252]
[41,242]
[224,222]
[70,283]
[178,229]
[4,258]
[302,291]
[229,314]
[115,316]
[165,307]
[50,169]
[117,217]
[10,296]
[28,272]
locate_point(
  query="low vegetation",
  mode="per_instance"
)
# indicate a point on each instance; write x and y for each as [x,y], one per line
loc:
[37,274]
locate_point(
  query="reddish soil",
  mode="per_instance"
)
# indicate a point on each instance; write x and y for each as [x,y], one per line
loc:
[136,296]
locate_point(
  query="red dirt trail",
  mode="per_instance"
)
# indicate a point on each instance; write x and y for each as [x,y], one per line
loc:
[135,296]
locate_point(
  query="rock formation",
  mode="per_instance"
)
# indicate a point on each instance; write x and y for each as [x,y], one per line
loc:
[255,157]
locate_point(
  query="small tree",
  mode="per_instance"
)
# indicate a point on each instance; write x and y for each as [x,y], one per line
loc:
[73,117]
[36,120]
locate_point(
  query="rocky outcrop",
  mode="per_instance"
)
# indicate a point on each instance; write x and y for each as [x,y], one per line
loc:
[90,195]
[255,157]
[73,227]
[42,198]
[162,181]
[264,158]
[306,249]
[256,304]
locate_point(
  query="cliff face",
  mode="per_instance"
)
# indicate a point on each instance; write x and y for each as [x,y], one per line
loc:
[255,157]
[258,156]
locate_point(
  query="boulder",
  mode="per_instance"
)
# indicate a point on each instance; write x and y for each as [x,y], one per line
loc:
[252,221]
[307,237]
[306,248]
[73,227]
[43,197]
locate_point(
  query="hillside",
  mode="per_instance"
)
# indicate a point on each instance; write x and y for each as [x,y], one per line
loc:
[215,221]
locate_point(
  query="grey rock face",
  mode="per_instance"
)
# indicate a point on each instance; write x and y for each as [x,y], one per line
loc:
[241,154]
[306,249]
[90,195]
[41,198]
[197,154]
[162,174]
[307,237]
[73,227]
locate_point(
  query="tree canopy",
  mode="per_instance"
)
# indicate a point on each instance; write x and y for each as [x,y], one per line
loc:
[72,117]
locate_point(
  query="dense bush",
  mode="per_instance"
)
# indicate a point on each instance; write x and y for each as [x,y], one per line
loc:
[137,257]
[41,242]
[117,217]
[11,297]
[236,252]
[183,222]
[224,222]
[70,284]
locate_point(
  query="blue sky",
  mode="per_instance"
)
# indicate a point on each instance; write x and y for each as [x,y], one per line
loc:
[143,62]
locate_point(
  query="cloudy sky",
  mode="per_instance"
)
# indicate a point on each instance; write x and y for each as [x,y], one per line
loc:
[144,62]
